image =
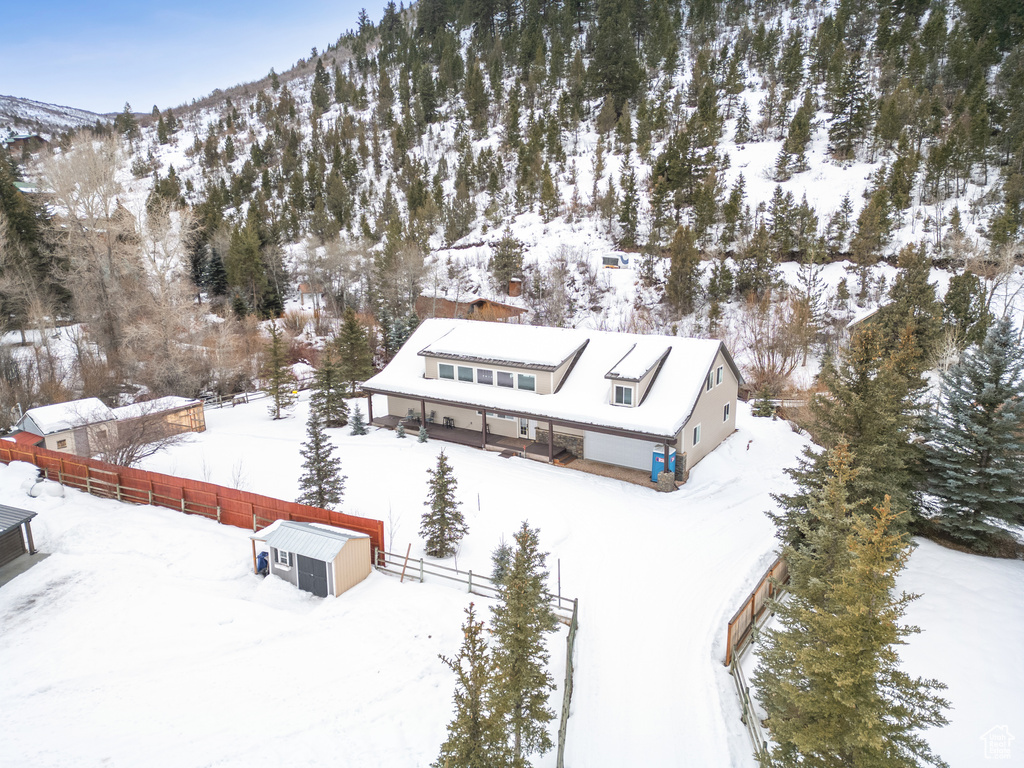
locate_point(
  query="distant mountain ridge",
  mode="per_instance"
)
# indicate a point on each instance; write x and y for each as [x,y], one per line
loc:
[27,116]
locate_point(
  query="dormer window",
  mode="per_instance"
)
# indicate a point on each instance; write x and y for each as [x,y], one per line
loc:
[623,395]
[527,381]
[446,371]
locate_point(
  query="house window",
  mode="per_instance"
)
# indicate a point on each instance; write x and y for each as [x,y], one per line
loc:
[623,395]
[465,374]
[710,382]
[505,379]
[282,557]
[62,443]
[446,371]
[528,381]
[484,376]
[718,376]
[696,434]
[491,415]
[725,412]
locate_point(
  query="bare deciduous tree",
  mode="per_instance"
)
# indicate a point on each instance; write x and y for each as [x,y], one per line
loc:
[768,344]
[128,441]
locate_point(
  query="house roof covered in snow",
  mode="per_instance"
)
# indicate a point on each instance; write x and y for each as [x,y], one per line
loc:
[60,417]
[320,542]
[159,405]
[527,346]
[584,397]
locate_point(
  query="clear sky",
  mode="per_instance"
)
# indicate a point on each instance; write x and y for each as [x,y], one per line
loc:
[99,55]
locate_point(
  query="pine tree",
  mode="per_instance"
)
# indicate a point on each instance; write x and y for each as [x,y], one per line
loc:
[442,525]
[629,218]
[975,455]
[964,311]
[328,395]
[358,422]
[684,272]
[278,380]
[829,674]
[476,737]
[519,623]
[913,310]
[355,361]
[321,484]
[422,436]
[872,406]
[507,261]
[400,432]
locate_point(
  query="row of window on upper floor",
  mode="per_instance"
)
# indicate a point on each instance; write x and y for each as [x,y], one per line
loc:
[714,378]
[489,376]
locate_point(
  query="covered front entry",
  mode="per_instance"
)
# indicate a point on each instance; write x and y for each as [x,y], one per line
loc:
[312,575]
[621,451]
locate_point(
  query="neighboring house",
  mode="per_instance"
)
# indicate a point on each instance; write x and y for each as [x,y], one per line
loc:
[316,558]
[468,307]
[71,427]
[610,397]
[22,142]
[81,427]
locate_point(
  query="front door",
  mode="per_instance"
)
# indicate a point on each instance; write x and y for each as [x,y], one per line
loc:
[312,575]
[524,427]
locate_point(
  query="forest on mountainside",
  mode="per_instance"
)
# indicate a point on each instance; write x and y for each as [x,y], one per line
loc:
[368,169]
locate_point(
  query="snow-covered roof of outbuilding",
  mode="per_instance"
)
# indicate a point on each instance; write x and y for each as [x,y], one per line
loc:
[159,405]
[320,542]
[61,417]
[584,397]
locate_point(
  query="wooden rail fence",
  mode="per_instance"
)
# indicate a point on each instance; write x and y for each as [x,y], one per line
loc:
[228,506]
[742,624]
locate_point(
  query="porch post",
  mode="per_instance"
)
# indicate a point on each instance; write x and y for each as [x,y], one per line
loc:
[551,442]
[423,413]
[666,456]
[483,429]
[369,406]
[28,535]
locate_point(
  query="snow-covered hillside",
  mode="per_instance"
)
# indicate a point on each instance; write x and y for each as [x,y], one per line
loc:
[19,115]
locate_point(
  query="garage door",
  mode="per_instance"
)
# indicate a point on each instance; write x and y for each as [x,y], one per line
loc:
[622,451]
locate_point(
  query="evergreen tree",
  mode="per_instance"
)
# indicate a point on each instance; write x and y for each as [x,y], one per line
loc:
[501,559]
[519,623]
[321,484]
[355,361]
[850,104]
[615,69]
[872,406]
[684,272]
[629,218]
[400,432]
[422,436]
[964,311]
[829,673]
[913,312]
[442,525]
[278,380]
[975,455]
[358,422]
[329,390]
[476,737]
[507,261]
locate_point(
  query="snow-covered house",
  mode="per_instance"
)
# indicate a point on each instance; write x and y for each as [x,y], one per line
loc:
[80,426]
[615,398]
[316,558]
[71,427]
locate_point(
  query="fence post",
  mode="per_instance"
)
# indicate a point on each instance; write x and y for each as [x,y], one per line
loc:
[88,481]
[421,570]
[182,503]
[117,489]
[218,513]
[470,579]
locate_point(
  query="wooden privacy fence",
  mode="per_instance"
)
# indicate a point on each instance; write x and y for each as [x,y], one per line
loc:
[741,625]
[138,486]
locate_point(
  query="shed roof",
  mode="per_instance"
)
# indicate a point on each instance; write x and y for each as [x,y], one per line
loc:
[61,417]
[320,542]
[160,405]
[12,517]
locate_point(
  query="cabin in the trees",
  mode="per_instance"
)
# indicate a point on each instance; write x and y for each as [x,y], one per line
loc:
[555,393]
[468,307]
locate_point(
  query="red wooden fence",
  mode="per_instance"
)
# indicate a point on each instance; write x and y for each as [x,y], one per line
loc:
[225,505]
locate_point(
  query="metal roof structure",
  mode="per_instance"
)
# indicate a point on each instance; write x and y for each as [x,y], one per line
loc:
[320,542]
[12,517]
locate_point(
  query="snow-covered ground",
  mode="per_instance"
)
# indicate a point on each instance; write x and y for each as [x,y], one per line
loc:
[145,640]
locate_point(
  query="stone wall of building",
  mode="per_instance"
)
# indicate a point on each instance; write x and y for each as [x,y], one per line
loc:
[572,443]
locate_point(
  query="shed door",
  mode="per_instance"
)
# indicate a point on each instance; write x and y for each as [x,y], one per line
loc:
[621,451]
[312,575]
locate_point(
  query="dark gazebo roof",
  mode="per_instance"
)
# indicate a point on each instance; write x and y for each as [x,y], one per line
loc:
[12,517]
